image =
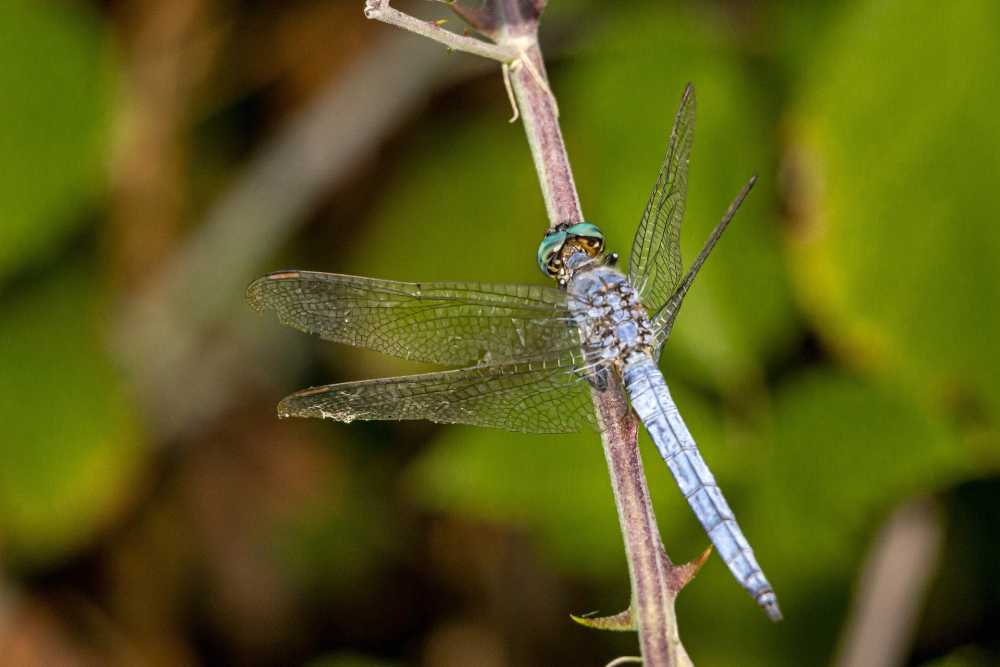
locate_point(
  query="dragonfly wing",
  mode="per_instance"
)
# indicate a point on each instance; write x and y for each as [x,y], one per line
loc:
[655,263]
[663,321]
[451,323]
[543,396]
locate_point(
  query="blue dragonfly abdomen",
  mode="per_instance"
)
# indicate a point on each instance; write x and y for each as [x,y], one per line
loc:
[616,333]
[651,400]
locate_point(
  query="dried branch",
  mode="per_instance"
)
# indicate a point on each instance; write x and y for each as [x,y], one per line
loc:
[512,25]
[381,11]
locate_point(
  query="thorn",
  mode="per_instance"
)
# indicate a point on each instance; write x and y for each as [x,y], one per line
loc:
[440,22]
[620,622]
[681,575]
[625,660]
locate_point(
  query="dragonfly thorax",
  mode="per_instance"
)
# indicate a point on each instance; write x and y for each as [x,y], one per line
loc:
[613,323]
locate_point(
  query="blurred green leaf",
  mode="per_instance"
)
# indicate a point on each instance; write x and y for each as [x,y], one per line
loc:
[70,447]
[337,545]
[896,256]
[464,197]
[845,452]
[555,485]
[55,71]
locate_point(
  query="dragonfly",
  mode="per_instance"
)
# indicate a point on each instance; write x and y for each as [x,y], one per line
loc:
[529,356]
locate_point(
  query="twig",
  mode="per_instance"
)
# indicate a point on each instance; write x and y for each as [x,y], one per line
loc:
[655,581]
[381,11]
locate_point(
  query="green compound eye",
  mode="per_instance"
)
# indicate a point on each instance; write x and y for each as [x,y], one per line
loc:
[548,249]
[585,229]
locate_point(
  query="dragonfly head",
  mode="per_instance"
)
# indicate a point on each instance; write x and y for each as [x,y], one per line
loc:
[564,241]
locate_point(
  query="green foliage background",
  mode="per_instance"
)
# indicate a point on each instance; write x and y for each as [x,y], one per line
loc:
[837,358]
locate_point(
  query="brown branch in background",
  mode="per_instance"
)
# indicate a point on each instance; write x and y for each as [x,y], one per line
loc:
[512,25]
[894,580]
[154,109]
[183,328]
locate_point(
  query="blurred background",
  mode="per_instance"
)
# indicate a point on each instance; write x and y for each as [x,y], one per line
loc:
[837,359]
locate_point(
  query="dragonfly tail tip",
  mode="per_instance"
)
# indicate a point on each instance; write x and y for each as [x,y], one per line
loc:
[769,603]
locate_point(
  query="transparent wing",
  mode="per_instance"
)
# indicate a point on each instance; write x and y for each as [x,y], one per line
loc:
[663,320]
[447,323]
[544,396]
[655,264]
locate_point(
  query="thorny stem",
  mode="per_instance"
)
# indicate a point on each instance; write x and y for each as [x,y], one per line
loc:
[655,580]
[650,569]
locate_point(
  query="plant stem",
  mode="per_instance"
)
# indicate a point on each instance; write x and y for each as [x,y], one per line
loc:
[655,581]
[652,608]
[541,125]
[650,569]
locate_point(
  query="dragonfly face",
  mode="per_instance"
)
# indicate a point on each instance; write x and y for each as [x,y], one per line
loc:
[564,241]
